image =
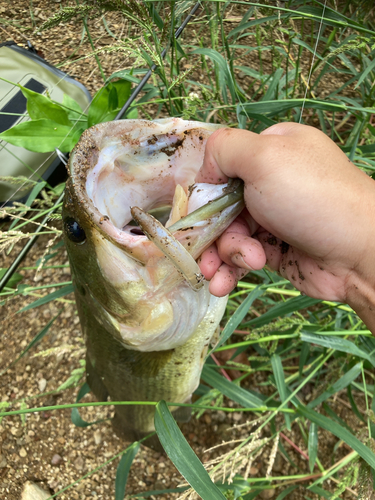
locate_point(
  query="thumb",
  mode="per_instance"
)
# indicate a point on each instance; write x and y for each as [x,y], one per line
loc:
[227,154]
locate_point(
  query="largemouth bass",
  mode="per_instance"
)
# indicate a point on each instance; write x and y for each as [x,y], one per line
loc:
[147,324]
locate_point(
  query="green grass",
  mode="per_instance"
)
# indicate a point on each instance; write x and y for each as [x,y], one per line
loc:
[256,60]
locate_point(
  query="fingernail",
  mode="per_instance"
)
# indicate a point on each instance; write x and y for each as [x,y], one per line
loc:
[238,260]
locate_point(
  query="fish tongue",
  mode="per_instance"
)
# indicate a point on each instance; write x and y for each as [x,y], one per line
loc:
[179,206]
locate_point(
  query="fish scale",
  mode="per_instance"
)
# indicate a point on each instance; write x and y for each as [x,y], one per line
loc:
[142,376]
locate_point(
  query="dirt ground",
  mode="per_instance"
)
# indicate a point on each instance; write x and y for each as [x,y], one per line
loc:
[46,447]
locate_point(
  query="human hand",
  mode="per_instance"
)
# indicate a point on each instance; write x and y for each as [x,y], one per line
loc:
[310,212]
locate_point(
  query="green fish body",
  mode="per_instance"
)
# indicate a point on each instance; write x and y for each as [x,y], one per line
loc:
[147,331]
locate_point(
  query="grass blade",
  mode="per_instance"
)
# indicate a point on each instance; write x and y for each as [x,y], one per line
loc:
[65,290]
[282,309]
[286,492]
[123,470]
[76,418]
[13,281]
[38,337]
[238,316]
[337,343]
[313,445]
[183,457]
[341,384]
[231,390]
[339,432]
[335,417]
[272,108]
[278,372]
[223,65]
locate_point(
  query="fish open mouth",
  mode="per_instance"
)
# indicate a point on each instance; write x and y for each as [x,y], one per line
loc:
[152,166]
[170,246]
[132,190]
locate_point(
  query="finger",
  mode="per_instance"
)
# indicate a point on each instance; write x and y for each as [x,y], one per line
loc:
[241,251]
[237,248]
[219,162]
[273,247]
[284,128]
[225,280]
[209,262]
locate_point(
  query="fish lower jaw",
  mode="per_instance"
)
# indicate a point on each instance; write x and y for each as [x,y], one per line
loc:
[155,333]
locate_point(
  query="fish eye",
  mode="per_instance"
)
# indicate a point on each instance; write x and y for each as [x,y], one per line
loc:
[74,231]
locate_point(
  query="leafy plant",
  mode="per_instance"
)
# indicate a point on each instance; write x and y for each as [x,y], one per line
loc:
[53,125]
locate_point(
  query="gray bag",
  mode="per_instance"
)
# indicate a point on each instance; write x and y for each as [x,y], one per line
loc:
[26,67]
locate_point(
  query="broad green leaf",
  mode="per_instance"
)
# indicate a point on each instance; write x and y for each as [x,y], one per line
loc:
[112,97]
[132,114]
[58,190]
[183,457]
[239,315]
[14,280]
[108,101]
[278,373]
[231,390]
[155,16]
[313,445]
[40,106]
[65,290]
[282,309]
[341,384]
[42,136]
[38,337]
[123,470]
[337,343]
[74,110]
[339,432]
